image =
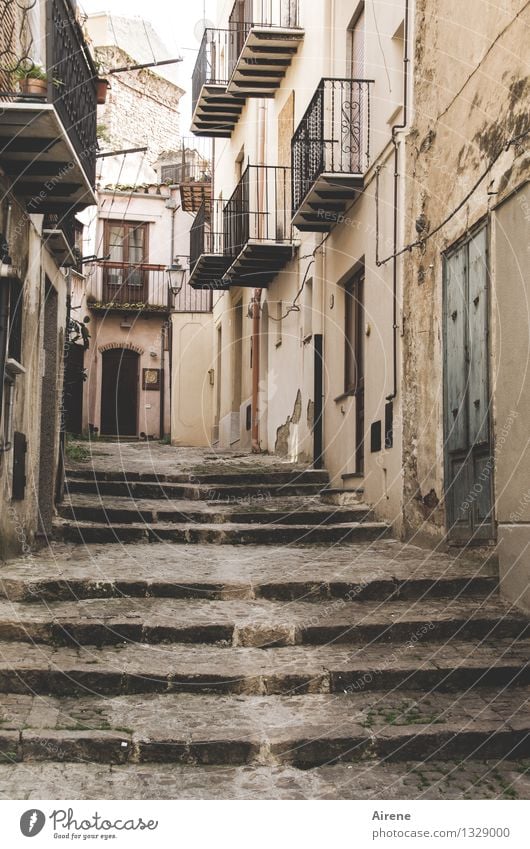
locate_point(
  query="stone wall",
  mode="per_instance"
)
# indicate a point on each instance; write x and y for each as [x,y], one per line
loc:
[142,108]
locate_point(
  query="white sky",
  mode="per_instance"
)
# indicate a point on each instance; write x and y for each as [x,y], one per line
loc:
[175,22]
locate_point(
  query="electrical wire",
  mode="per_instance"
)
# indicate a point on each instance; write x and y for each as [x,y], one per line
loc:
[419,242]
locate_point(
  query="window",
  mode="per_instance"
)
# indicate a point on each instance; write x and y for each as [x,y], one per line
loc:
[126,245]
[308,311]
[279,321]
[353,334]
[356,47]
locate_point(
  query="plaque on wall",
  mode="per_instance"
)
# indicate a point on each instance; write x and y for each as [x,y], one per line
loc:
[151,379]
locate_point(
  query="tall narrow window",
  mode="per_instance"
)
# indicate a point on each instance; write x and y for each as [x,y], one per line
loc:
[353,334]
[126,245]
[354,359]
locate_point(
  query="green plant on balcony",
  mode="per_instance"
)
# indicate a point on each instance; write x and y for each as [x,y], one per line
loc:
[33,79]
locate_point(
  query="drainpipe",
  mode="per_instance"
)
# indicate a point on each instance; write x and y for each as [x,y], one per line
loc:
[256,298]
[395,129]
[7,272]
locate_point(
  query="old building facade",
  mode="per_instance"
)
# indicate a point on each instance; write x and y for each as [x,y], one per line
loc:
[47,170]
[466,385]
[137,233]
[306,334]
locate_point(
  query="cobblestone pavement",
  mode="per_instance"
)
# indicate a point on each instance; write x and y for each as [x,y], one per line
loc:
[435,780]
[364,669]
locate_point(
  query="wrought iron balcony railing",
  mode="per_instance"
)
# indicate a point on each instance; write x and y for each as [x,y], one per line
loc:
[59,233]
[215,112]
[30,130]
[208,262]
[75,99]
[257,232]
[330,152]
[265,37]
[142,287]
[258,210]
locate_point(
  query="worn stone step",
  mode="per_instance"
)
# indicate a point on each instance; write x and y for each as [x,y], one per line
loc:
[123,669]
[303,731]
[243,477]
[263,624]
[382,570]
[222,493]
[227,534]
[371,780]
[293,511]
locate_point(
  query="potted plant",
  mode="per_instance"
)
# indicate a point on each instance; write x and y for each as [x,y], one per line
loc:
[102,85]
[32,79]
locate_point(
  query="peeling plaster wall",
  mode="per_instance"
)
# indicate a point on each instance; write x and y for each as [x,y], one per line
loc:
[471,94]
[19,521]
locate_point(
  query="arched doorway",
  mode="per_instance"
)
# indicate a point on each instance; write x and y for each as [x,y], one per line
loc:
[119,392]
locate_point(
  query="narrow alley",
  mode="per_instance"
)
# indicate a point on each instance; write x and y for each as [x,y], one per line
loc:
[288,647]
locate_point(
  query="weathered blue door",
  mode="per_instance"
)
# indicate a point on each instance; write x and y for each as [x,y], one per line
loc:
[467,419]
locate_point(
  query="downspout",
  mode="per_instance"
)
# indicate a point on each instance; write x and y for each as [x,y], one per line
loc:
[395,129]
[7,273]
[256,298]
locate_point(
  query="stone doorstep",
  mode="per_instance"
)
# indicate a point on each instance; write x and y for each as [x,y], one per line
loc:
[249,671]
[298,744]
[230,534]
[312,591]
[370,780]
[113,513]
[192,492]
[244,477]
[261,624]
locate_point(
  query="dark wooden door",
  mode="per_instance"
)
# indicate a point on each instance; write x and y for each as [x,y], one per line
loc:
[468,444]
[119,393]
[73,389]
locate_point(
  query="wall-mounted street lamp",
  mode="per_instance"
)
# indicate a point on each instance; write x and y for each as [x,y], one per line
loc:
[176,277]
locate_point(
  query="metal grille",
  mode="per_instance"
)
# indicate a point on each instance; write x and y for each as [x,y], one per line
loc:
[206,231]
[258,209]
[333,136]
[211,67]
[69,61]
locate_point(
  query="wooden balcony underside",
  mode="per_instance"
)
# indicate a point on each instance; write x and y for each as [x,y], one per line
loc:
[209,272]
[258,263]
[327,200]
[216,113]
[195,193]
[36,153]
[263,61]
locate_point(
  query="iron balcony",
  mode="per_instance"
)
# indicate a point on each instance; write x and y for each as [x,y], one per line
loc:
[330,153]
[248,59]
[48,141]
[257,228]
[208,262]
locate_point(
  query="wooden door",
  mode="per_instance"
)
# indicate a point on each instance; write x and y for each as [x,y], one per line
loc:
[119,393]
[468,445]
[73,389]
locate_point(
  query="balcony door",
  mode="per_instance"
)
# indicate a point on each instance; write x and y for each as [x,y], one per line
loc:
[119,392]
[125,277]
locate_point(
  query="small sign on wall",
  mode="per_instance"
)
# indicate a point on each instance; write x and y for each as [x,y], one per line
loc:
[151,379]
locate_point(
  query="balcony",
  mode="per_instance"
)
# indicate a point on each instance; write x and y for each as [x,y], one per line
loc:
[257,232]
[215,112]
[330,153]
[265,35]
[59,236]
[48,141]
[208,262]
[122,287]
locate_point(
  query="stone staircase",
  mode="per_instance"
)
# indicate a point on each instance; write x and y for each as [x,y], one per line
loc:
[366,669]
[272,505]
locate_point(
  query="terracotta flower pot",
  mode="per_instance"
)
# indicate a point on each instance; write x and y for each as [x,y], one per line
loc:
[102,87]
[34,87]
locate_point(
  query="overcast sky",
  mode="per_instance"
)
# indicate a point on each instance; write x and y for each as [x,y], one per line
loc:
[177,23]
